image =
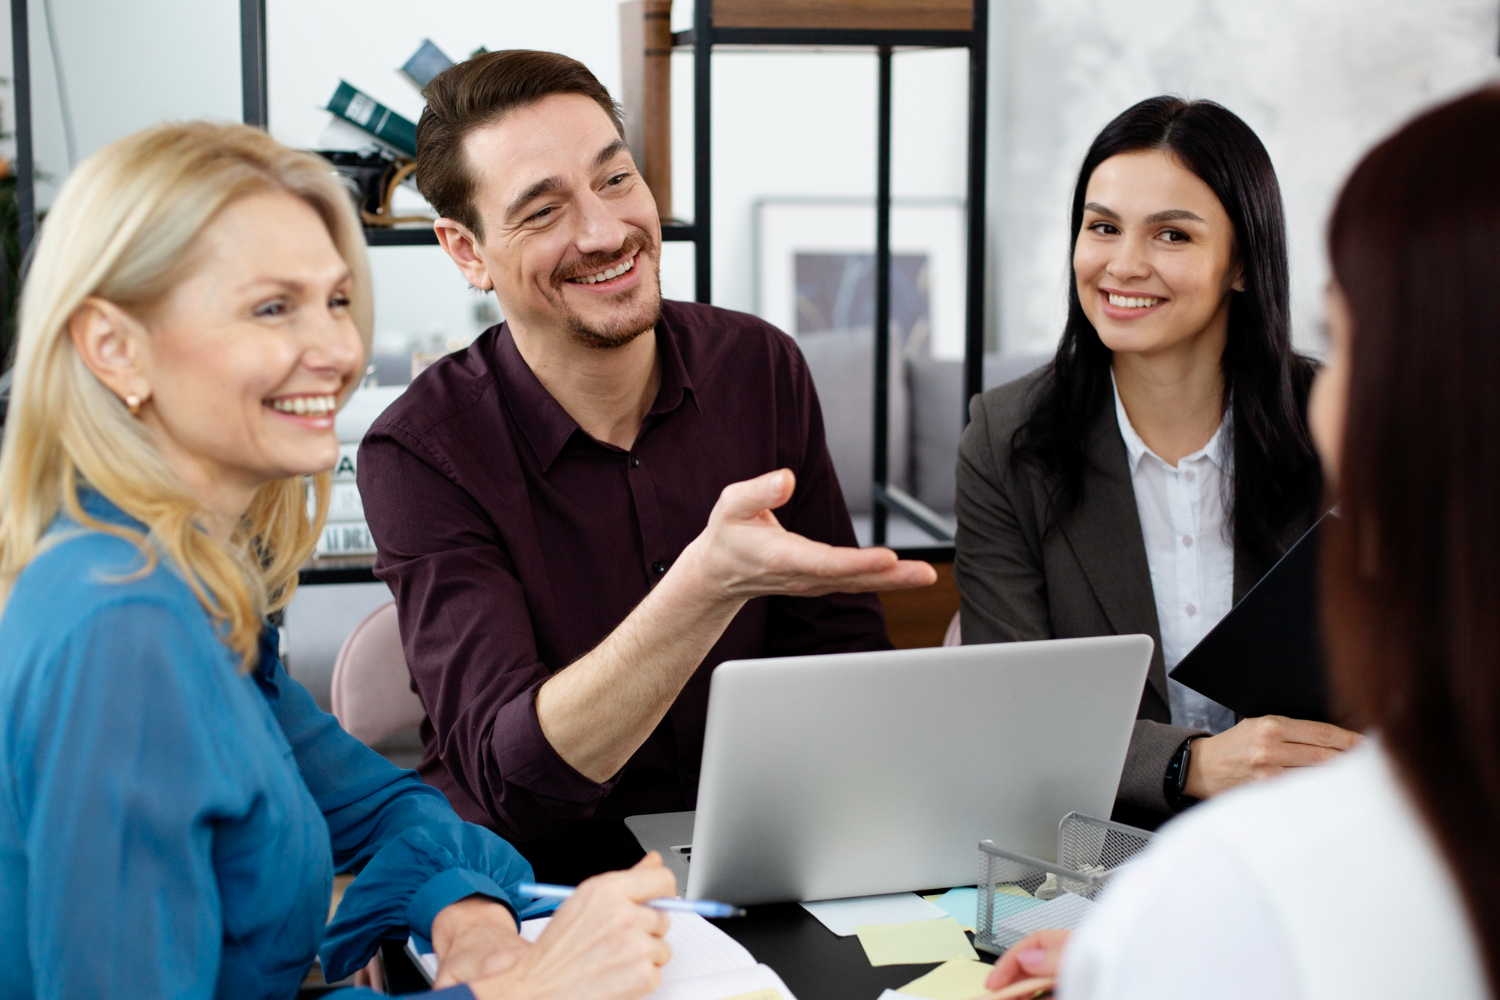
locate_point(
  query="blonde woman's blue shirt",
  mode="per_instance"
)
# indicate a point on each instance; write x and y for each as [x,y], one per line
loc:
[170,825]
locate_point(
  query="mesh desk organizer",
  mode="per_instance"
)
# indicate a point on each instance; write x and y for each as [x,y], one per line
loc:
[1089,853]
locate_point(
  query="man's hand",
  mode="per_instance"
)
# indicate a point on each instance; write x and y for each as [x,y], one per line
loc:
[1261,748]
[1028,965]
[744,552]
[600,945]
[472,938]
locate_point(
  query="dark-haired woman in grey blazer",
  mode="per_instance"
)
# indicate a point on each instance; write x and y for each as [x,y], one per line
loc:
[1160,464]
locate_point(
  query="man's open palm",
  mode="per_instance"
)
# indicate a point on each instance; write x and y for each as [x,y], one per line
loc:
[749,554]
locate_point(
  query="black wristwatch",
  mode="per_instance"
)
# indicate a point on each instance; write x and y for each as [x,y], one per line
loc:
[1176,777]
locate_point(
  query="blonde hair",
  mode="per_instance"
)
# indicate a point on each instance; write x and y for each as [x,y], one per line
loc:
[123,228]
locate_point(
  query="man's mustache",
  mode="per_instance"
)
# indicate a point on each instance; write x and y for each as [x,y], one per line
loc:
[589,263]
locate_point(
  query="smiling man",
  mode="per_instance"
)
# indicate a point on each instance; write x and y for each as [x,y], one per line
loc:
[604,497]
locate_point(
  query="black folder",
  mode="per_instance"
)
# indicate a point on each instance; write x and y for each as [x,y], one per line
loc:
[1266,656]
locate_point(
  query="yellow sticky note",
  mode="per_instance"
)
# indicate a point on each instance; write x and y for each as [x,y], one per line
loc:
[916,943]
[765,994]
[1013,890]
[959,980]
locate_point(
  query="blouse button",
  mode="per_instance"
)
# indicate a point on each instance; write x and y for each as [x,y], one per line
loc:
[635,461]
[658,567]
[1190,475]
[1187,540]
[1191,609]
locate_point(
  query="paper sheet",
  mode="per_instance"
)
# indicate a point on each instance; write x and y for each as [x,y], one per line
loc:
[959,980]
[916,943]
[426,961]
[843,915]
[698,949]
[962,905]
[706,964]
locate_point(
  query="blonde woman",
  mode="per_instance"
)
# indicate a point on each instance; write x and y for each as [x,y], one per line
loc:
[172,805]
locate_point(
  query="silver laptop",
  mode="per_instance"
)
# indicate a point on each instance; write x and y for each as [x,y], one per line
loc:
[863,773]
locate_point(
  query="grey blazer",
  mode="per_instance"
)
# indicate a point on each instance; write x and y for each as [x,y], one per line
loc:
[1018,581]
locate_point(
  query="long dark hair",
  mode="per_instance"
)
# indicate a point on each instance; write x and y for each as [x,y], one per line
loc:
[1276,475]
[1411,585]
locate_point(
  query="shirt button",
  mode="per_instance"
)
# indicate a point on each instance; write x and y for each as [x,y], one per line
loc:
[658,567]
[635,461]
[1190,475]
[1187,540]
[1191,609]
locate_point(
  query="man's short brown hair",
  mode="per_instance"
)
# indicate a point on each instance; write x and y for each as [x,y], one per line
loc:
[479,92]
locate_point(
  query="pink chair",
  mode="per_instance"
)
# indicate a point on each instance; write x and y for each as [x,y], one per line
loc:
[954,636]
[372,695]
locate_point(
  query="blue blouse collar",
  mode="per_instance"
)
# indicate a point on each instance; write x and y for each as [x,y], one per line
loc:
[102,508]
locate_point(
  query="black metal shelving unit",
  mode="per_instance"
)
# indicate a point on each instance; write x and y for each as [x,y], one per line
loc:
[25,165]
[701,39]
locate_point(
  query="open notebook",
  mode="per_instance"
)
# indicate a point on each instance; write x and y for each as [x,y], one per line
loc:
[706,964]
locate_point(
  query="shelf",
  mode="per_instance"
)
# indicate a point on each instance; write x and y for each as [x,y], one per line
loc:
[868,14]
[834,37]
[338,569]
[401,236]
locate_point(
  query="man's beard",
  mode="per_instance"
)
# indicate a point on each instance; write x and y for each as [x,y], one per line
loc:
[637,318]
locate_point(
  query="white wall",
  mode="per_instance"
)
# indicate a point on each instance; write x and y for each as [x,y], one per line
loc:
[1319,81]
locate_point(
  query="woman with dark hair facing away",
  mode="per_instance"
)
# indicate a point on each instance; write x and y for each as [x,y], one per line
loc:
[1148,476]
[1376,877]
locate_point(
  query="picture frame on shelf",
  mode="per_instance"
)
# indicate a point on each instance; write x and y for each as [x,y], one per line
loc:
[813,262]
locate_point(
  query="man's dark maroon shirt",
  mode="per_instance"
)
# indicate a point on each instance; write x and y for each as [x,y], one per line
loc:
[515,542]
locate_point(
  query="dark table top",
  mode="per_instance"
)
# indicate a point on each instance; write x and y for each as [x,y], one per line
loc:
[815,963]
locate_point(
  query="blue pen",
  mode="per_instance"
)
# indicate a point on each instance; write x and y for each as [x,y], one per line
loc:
[702,907]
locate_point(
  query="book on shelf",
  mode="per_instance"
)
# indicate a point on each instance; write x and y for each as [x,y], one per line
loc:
[347,469]
[427,62]
[345,533]
[646,92]
[354,105]
[344,503]
[345,538]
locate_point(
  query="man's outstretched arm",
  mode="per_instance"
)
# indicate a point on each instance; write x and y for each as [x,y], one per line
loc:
[599,710]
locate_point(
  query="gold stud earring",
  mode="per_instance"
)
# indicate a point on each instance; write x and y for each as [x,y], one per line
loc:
[133,404]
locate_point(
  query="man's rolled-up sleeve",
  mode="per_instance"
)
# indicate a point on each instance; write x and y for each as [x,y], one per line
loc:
[468,639]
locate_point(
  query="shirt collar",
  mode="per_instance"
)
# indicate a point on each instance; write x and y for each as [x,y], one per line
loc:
[543,420]
[1216,451]
[97,506]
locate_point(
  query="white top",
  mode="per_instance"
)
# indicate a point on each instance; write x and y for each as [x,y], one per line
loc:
[1325,885]
[1190,553]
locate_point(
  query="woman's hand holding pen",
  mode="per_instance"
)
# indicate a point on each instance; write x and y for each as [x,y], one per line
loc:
[602,944]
